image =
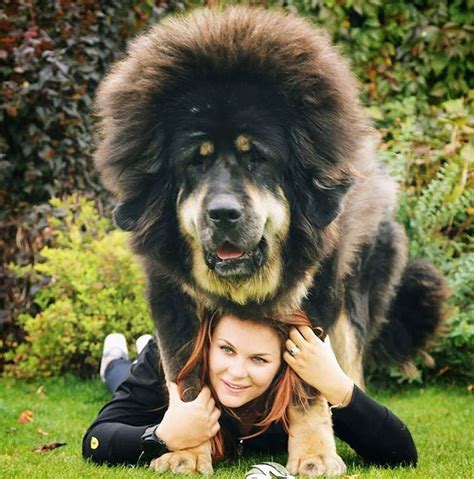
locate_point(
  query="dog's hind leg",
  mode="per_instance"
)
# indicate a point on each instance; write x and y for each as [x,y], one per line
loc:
[368,291]
[416,314]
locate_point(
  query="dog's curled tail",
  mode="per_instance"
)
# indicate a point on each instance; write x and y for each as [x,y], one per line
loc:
[416,314]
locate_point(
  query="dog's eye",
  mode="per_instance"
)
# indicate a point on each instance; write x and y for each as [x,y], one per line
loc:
[254,159]
[200,164]
[203,155]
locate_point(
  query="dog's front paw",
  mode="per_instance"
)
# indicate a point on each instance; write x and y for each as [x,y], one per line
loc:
[319,465]
[188,461]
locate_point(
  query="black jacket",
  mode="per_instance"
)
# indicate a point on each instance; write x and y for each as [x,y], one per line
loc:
[114,437]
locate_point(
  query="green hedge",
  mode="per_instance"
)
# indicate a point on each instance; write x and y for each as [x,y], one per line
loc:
[91,286]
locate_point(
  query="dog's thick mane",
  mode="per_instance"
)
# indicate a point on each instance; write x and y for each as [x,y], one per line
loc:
[286,52]
[327,134]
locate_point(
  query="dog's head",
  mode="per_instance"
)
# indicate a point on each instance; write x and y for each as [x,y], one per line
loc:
[232,151]
[227,157]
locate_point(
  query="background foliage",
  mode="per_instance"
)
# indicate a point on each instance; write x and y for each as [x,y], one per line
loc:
[53,54]
[90,286]
[415,63]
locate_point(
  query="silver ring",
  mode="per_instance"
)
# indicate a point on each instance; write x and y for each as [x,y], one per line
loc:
[293,351]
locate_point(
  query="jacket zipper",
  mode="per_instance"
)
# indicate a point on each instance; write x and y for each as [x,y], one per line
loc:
[240,447]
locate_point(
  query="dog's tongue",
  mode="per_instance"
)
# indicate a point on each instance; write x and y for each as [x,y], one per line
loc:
[229,252]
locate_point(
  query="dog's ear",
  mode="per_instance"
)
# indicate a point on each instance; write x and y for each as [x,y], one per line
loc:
[127,214]
[328,201]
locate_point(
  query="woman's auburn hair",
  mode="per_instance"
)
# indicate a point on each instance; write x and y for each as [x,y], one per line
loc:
[287,387]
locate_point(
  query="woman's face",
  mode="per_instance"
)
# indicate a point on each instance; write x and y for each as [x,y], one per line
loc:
[244,357]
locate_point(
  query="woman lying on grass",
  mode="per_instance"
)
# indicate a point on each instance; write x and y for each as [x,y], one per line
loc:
[251,369]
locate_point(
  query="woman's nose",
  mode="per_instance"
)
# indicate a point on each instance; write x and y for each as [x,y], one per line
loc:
[237,370]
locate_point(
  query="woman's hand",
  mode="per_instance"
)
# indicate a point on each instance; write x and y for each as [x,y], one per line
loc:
[188,424]
[315,363]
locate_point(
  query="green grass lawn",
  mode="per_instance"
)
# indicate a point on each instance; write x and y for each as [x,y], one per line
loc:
[441,419]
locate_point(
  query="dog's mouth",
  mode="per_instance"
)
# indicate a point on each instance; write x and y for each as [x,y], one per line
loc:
[231,260]
[228,251]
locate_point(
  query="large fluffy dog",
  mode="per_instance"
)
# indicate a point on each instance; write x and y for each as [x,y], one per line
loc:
[246,171]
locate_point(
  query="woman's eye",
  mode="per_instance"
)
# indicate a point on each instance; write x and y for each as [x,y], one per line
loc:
[226,349]
[259,360]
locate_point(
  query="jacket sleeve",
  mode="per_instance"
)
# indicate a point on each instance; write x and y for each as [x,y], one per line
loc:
[374,432]
[141,400]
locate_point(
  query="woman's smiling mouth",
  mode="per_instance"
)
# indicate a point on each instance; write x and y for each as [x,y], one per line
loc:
[234,387]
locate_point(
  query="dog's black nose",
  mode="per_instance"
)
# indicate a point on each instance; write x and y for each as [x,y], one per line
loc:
[224,209]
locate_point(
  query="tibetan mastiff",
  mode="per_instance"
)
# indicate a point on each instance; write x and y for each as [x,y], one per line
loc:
[246,171]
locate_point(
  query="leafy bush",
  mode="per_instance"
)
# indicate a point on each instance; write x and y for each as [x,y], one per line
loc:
[430,150]
[401,47]
[92,286]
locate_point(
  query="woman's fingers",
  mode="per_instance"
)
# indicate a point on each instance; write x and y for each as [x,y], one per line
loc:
[215,429]
[289,359]
[204,396]
[211,404]
[215,415]
[296,337]
[291,346]
[173,392]
[302,335]
[307,334]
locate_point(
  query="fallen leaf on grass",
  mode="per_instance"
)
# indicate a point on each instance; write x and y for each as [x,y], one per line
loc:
[25,416]
[43,433]
[12,429]
[49,446]
[40,392]
[443,370]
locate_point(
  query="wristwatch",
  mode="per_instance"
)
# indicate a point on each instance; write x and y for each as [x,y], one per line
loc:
[152,445]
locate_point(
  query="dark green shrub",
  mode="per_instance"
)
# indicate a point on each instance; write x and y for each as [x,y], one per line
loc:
[92,286]
[54,55]
[401,47]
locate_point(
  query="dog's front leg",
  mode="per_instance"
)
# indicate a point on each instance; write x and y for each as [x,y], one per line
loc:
[176,324]
[311,444]
[187,461]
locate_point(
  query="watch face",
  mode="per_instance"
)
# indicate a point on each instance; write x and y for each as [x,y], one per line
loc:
[152,445]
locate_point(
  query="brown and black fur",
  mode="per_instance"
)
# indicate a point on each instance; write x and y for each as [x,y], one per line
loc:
[257,108]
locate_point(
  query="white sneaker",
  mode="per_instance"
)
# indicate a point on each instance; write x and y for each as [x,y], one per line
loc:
[268,470]
[142,341]
[115,347]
